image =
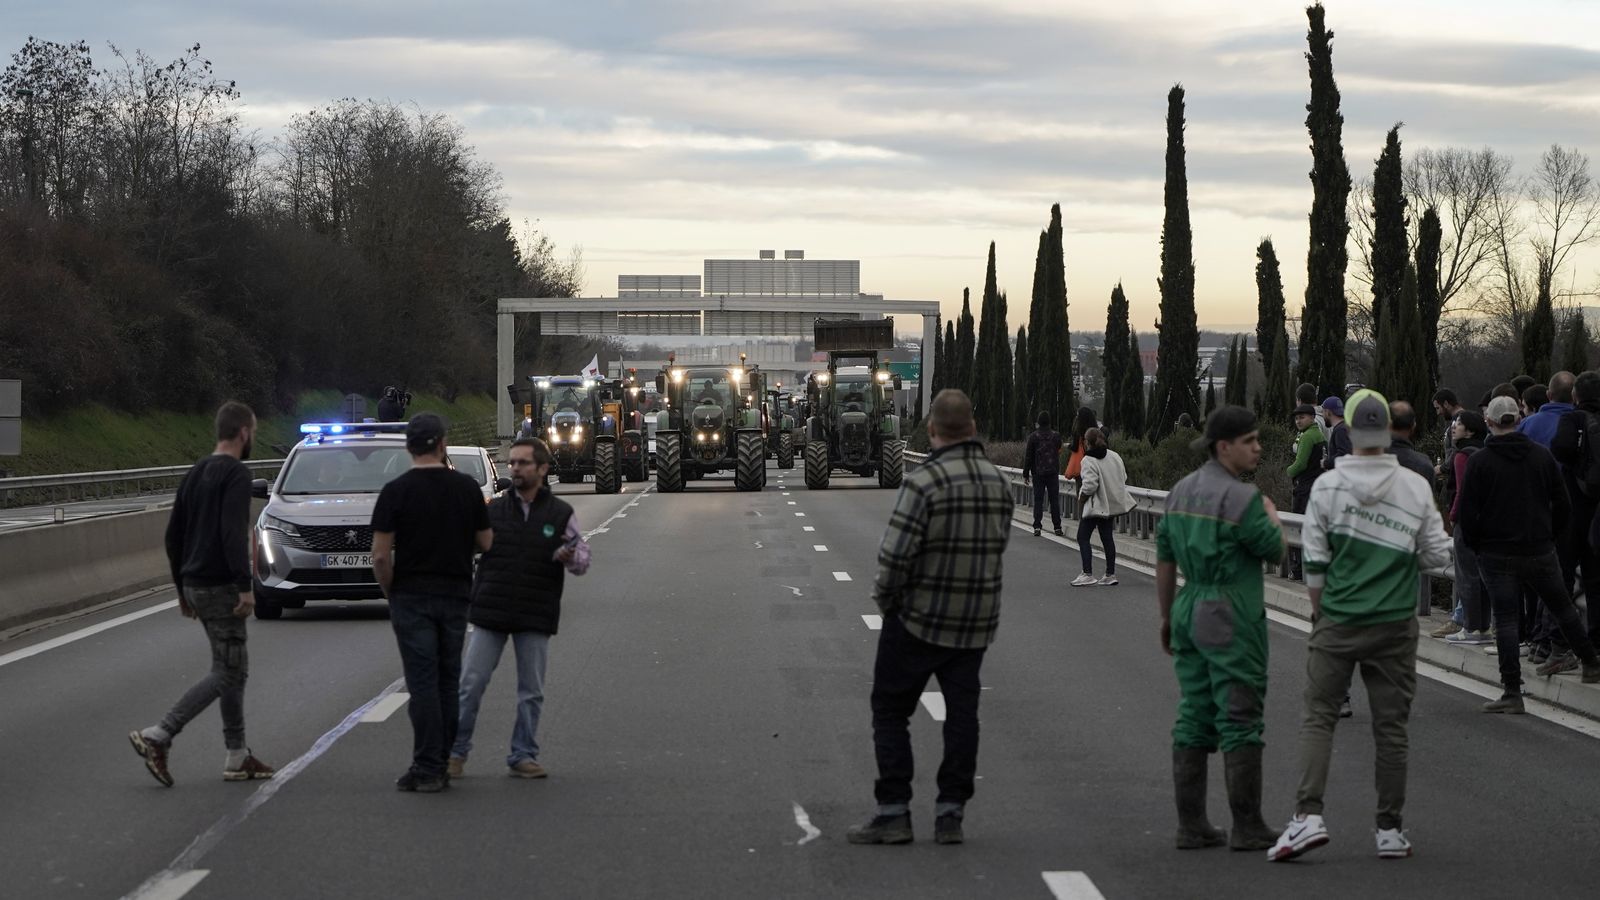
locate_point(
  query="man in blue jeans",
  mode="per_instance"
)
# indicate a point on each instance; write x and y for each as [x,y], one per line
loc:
[517,597]
[1041,460]
[425,527]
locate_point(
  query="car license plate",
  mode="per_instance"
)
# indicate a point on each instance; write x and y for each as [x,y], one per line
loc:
[347,560]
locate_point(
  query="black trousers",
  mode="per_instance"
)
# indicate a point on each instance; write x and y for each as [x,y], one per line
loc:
[903,667]
[1506,577]
[1051,485]
[430,631]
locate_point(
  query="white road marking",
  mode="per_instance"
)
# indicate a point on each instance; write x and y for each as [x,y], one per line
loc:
[80,634]
[800,515]
[757,512]
[820,548]
[793,502]
[386,707]
[170,887]
[933,701]
[785,493]
[759,547]
[842,576]
[874,623]
[1071,886]
[804,821]
[795,589]
[620,514]
[808,528]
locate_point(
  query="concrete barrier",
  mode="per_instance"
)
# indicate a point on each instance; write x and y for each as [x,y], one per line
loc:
[56,569]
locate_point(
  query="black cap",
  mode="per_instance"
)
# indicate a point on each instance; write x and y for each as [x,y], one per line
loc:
[1304,409]
[424,433]
[1225,424]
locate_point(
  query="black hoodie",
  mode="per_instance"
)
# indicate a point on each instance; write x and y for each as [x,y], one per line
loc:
[1513,499]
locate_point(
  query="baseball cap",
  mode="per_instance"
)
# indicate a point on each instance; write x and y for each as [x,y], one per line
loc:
[1225,424]
[1502,411]
[424,432]
[1368,420]
[1334,405]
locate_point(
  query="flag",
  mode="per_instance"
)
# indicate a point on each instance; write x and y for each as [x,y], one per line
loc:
[592,370]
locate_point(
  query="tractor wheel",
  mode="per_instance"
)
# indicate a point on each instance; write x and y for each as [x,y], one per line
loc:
[785,451]
[669,462]
[606,476]
[752,461]
[892,468]
[817,467]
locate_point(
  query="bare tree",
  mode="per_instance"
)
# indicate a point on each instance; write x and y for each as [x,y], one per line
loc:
[1461,185]
[1566,210]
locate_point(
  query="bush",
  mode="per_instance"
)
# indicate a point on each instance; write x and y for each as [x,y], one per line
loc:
[1160,467]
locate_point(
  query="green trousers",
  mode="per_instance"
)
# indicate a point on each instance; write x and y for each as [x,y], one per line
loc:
[1219,648]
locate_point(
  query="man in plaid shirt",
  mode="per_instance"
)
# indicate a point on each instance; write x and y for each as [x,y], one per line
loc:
[939,588]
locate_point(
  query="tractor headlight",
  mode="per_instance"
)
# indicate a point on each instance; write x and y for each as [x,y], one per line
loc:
[700,437]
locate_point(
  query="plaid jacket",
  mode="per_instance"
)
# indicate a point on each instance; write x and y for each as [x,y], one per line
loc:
[939,563]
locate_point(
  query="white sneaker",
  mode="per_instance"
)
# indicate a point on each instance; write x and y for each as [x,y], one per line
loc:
[1392,844]
[1303,833]
[1107,581]
[1084,580]
[1470,638]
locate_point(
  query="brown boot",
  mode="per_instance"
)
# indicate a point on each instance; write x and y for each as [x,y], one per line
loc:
[1250,832]
[1195,831]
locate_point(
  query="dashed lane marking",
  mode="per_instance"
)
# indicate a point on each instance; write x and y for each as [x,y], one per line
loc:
[171,887]
[804,821]
[820,548]
[808,528]
[842,576]
[874,623]
[793,502]
[1071,886]
[621,513]
[800,515]
[933,702]
[388,706]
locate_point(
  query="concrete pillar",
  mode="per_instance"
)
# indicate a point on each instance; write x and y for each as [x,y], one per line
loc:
[505,373]
[930,334]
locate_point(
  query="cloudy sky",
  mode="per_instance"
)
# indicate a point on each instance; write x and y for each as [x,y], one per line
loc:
[905,133]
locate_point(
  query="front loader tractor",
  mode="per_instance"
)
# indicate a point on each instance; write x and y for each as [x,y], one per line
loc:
[852,425]
[712,420]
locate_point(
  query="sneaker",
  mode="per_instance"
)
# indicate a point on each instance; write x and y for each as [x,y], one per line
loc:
[412,782]
[1558,663]
[1392,844]
[1304,833]
[1084,580]
[1107,581]
[1539,654]
[1510,704]
[251,769]
[882,830]
[947,829]
[1037,531]
[1345,709]
[528,769]
[1060,533]
[454,767]
[1470,638]
[155,756]
[1446,630]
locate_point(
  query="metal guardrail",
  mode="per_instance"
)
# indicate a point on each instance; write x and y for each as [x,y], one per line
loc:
[1150,504]
[76,487]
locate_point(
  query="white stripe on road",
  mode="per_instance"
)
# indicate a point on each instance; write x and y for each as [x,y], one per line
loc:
[807,528]
[1071,886]
[841,576]
[80,634]
[874,623]
[804,821]
[801,515]
[792,502]
[621,513]
[795,589]
[383,709]
[820,548]
[933,701]
[171,886]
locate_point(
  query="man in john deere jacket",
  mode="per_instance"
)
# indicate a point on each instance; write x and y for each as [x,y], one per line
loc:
[516,596]
[1218,531]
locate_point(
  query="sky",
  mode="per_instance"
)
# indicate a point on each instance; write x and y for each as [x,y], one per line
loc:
[904,133]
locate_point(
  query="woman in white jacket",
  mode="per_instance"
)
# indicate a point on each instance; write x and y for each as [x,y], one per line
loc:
[1102,497]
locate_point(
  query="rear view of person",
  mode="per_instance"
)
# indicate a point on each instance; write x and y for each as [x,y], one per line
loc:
[1040,459]
[1102,497]
[1309,449]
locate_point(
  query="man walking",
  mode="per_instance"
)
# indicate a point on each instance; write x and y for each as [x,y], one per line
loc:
[208,548]
[1218,531]
[938,586]
[1042,456]
[1513,505]
[1368,528]
[517,597]
[425,527]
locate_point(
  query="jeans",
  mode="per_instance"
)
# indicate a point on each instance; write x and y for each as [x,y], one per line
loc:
[901,671]
[430,630]
[483,654]
[1387,656]
[1471,598]
[1042,485]
[1505,577]
[230,665]
[1086,529]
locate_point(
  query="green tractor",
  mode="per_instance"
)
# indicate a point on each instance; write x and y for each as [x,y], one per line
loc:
[852,424]
[593,429]
[781,428]
[712,421]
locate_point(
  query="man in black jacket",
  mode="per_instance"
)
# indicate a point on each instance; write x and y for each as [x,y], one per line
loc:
[1402,428]
[517,596]
[208,548]
[1513,506]
[1571,449]
[1041,462]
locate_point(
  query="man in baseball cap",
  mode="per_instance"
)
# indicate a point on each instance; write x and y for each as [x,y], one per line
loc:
[1338,431]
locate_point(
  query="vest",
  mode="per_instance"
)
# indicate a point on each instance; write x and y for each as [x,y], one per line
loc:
[518,583]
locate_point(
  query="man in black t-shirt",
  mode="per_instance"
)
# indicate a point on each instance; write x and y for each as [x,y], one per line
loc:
[425,527]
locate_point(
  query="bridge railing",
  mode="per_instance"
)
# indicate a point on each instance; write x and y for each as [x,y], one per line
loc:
[76,487]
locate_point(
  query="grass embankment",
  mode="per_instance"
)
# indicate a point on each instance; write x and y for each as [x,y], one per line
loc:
[97,439]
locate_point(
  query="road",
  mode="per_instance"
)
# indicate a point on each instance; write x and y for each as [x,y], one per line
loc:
[707,694]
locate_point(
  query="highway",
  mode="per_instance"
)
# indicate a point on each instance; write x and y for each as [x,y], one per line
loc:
[707,733]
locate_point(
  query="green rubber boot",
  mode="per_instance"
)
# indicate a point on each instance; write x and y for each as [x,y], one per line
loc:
[1195,831]
[1250,832]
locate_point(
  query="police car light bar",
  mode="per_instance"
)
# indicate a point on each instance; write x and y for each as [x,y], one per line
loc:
[353,428]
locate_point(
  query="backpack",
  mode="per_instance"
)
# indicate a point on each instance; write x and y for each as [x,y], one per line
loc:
[1589,456]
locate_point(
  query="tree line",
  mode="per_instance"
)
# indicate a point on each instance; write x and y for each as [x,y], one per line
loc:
[156,254]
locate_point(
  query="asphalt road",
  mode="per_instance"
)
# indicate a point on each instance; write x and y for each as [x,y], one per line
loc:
[707,694]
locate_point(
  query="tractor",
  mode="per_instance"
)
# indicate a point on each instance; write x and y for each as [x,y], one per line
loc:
[593,427]
[851,422]
[781,426]
[711,420]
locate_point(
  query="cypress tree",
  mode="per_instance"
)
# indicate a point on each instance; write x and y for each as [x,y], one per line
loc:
[1575,343]
[937,381]
[1271,323]
[1023,411]
[1037,304]
[1177,372]
[1117,364]
[1389,250]
[1133,421]
[1274,396]
[966,341]
[1152,412]
[1002,393]
[1051,358]
[986,400]
[951,376]
[1408,378]
[1429,238]
[1211,393]
[1539,334]
[1322,329]
[1239,379]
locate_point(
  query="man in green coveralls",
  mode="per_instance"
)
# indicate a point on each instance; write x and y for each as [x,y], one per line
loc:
[1218,531]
